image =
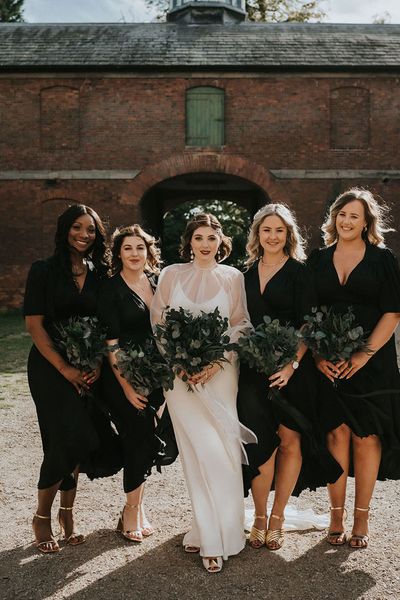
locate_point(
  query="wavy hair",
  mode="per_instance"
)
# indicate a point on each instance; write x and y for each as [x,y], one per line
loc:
[98,253]
[204,220]
[153,260]
[375,217]
[295,243]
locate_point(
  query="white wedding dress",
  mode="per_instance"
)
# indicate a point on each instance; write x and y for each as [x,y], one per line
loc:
[208,433]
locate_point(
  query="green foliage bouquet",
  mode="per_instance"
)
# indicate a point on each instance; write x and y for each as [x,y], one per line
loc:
[333,336]
[189,342]
[83,341]
[144,368]
[269,347]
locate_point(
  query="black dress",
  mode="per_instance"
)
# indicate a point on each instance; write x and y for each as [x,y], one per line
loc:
[127,319]
[288,296]
[74,432]
[368,402]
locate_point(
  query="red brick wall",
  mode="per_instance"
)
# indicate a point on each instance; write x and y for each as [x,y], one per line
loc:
[282,122]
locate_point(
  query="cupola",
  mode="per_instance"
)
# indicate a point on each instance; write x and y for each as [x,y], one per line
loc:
[204,12]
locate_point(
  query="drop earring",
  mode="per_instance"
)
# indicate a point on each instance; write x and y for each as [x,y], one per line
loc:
[191,254]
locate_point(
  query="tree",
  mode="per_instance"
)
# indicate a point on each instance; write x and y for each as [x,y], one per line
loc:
[271,11]
[235,221]
[11,11]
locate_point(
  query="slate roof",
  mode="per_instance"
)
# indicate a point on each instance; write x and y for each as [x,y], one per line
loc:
[152,46]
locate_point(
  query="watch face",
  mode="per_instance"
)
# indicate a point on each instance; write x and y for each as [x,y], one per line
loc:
[295,364]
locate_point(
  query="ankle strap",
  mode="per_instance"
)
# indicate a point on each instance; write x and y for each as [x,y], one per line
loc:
[132,505]
[41,516]
[362,509]
[276,517]
[66,508]
[336,508]
[260,516]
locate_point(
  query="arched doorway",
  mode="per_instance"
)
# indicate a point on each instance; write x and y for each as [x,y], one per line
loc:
[203,190]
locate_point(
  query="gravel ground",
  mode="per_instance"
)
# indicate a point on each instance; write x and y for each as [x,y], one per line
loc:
[107,566]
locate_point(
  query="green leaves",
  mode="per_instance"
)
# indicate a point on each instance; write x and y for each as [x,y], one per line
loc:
[144,368]
[333,336]
[202,339]
[83,341]
[269,347]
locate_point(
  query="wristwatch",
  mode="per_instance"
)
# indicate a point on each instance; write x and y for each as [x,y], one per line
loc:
[295,364]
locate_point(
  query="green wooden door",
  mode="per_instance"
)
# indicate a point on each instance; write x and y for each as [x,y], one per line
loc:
[205,116]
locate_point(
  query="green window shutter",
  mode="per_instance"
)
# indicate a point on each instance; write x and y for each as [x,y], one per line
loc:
[205,116]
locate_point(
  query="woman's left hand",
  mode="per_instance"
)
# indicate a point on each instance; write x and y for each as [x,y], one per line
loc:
[280,378]
[205,375]
[92,376]
[347,368]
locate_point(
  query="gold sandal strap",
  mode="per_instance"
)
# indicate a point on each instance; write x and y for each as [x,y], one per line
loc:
[41,517]
[132,505]
[257,535]
[275,535]
[362,509]
[336,508]
[66,508]
[276,517]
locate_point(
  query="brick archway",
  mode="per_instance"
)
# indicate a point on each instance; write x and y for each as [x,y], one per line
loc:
[200,162]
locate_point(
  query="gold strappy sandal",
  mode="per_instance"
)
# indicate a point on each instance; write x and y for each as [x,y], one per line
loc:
[359,542]
[75,539]
[133,536]
[257,536]
[49,546]
[275,537]
[337,538]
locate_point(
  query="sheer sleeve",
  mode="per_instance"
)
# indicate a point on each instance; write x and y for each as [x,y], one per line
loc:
[389,299]
[162,294]
[35,299]
[239,319]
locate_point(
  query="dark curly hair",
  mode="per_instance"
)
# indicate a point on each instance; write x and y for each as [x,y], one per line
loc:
[98,253]
[204,220]
[153,252]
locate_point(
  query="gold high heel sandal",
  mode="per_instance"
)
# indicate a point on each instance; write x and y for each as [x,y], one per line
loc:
[133,536]
[75,539]
[146,528]
[337,538]
[359,542]
[257,536]
[275,537]
[49,546]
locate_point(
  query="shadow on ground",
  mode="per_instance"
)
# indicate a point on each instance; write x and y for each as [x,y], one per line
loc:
[166,572]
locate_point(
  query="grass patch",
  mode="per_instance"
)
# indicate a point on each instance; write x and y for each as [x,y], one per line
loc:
[15,343]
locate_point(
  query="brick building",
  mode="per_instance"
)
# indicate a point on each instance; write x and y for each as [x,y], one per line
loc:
[134,119]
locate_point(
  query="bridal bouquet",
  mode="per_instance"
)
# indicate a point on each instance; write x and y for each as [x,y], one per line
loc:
[144,368]
[269,347]
[333,336]
[191,342]
[82,339]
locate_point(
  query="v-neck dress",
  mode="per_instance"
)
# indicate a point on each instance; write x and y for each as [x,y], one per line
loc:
[368,402]
[74,431]
[288,296]
[127,319]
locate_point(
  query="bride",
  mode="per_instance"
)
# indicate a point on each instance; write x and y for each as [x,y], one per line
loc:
[207,430]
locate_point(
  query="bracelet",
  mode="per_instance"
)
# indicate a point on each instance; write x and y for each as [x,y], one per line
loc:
[369,351]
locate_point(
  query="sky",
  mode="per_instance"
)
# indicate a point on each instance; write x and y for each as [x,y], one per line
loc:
[108,11]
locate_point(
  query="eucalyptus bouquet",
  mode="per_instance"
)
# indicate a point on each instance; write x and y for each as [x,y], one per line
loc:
[83,340]
[144,368]
[269,347]
[191,342]
[333,336]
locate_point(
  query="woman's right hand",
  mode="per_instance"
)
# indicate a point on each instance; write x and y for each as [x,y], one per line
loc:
[74,376]
[137,400]
[326,367]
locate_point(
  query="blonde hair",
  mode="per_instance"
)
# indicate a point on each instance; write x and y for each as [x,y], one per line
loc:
[375,217]
[295,242]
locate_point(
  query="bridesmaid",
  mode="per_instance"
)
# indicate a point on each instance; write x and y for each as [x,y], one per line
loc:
[124,309]
[62,286]
[277,284]
[361,415]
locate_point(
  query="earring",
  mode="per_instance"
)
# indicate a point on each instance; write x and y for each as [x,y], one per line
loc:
[219,254]
[191,254]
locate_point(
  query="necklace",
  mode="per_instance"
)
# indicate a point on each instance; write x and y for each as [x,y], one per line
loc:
[273,264]
[137,286]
